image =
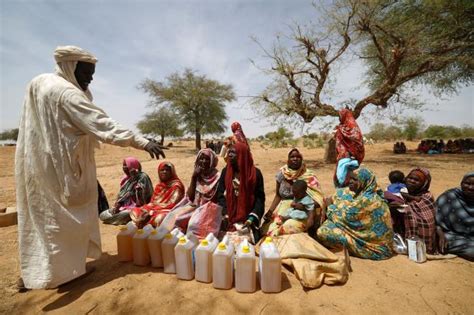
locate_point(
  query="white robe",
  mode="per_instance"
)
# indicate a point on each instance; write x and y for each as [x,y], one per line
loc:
[56,180]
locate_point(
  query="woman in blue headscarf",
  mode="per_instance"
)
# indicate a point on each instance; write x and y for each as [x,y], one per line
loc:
[359,219]
[455,219]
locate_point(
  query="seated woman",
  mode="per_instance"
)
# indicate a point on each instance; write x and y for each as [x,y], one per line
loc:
[168,192]
[455,219]
[419,216]
[136,190]
[295,169]
[359,219]
[241,192]
[200,198]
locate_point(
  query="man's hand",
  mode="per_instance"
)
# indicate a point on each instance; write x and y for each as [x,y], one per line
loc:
[155,150]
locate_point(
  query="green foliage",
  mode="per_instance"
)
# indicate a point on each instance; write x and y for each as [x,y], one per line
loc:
[199,101]
[380,131]
[448,132]
[412,126]
[280,138]
[9,134]
[313,140]
[162,123]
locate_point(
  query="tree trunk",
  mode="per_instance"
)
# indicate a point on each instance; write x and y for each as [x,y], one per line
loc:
[198,139]
[162,141]
[330,153]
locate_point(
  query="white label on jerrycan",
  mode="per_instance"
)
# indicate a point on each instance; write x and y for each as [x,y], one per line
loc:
[167,250]
[270,267]
[183,253]
[154,246]
[223,265]
[245,268]
[203,256]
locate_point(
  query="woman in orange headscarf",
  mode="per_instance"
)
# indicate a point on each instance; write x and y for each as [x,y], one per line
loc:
[168,192]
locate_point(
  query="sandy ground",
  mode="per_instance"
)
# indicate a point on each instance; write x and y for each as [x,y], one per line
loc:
[393,286]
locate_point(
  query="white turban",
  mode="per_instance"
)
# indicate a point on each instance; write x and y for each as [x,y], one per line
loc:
[67,58]
[73,53]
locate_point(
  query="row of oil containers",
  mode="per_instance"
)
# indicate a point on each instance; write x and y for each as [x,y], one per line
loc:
[207,260]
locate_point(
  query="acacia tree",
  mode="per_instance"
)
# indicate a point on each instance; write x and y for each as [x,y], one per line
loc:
[402,42]
[198,101]
[162,123]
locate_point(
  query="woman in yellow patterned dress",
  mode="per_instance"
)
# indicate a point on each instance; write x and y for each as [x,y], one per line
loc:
[359,219]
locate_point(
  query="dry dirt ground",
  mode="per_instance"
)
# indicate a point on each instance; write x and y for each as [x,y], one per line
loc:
[393,286]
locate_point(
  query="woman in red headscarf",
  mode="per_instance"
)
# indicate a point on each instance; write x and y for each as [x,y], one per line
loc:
[168,192]
[349,146]
[241,191]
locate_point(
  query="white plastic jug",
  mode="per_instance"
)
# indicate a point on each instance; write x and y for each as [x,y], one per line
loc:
[184,257]
[154,246]
[270,267]
[203,256]
[245,268]
[141,255]
[125,242]
[223,265]
[167,250]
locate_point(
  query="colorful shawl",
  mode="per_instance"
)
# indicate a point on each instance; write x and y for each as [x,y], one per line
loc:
[206,185]
[420,215]
[349,141]
[306,174]
[136,188]
[239,133]
[361,222]
[165,197]
[239,207]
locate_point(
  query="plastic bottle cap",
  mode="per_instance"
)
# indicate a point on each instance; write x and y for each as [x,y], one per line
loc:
[154,232]
[246,249]
[168,236]
[222,246]
[204,242]
[182,240]
[268,239]
[139,231]
[123,228]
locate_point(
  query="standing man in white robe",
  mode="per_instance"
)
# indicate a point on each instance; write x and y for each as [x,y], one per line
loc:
[55,171]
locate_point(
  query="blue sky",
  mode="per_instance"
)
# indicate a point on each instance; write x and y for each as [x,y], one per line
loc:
[134,40]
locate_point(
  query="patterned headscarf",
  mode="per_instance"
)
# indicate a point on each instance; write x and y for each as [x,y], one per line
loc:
[162,165]
[349,139]
[239,133]
[132,164]
[308,175]
[424,175]
[206,185]
[368,182]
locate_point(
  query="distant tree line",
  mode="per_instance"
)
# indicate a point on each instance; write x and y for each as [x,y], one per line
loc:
[9,134]
[414,128]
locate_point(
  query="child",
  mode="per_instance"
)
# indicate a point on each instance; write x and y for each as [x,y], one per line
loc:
[302,203]
[397,183]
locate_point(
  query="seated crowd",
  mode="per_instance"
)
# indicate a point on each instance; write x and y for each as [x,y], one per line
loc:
[451,146]
[360,217]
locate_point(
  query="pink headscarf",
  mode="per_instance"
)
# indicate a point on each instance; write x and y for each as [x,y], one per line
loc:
[132,164]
